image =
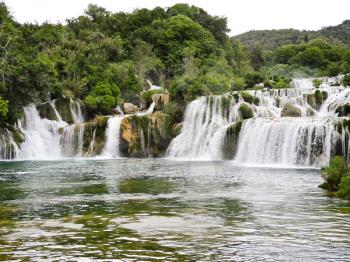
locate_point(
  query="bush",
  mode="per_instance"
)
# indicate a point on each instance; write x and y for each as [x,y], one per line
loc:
[344,188]
[252,79]
[281,84]
[102,98]
[247,97]
[333,174]
[175,110]
[317,82]
[3,108]
[346,80]
[245,111]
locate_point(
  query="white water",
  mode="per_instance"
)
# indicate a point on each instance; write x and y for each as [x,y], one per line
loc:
[285,141]
[268,138]
[111,148]
[72,141]
[42,139]
[8,147]
[76,111]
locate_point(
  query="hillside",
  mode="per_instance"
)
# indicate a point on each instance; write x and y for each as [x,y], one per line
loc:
[270,39]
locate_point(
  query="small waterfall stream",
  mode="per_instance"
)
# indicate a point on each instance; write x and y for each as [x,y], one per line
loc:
[111,149]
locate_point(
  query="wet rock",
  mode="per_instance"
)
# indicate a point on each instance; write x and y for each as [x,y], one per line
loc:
[160,100]
[46,110]
[146,136]
[130,108]
[291,111]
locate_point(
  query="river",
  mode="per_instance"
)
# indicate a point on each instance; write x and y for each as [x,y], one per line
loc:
[158,209]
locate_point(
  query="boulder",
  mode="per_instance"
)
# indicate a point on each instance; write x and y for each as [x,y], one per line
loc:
[291,111]
[130,108]
[46,110]
[160,100]
[343,110]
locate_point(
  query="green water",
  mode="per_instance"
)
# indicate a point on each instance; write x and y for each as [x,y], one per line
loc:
[155,209]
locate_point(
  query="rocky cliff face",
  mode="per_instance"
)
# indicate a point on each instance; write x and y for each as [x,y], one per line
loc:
[146,136]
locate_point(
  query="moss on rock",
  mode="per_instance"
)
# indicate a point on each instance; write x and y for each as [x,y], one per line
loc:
[231,140]
[63,107]
[47,111]
[245,111]
[291,111]
[146,136]
[343,110]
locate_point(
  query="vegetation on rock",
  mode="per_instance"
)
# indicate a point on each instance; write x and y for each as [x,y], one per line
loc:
[337,178]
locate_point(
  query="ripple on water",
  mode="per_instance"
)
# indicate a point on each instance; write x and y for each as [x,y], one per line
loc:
[134,209]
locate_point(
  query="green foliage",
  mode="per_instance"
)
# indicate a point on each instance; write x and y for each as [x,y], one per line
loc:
[247,97]
[175,110]
[344,188]
[252,79]
[146,96]
[271,39]
[281,84]
[245,111]
[3,108]
[317,82]
[333,174]
[346,80]
[103,97]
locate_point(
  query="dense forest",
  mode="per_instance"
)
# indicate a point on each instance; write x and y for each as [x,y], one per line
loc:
[270,39]
[105,59]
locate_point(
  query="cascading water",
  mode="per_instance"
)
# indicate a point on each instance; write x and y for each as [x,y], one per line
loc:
[8,147]
[42,138]
[310,138]
[203,128]
[72,140]
[111,149]
[76,111]
[286,141]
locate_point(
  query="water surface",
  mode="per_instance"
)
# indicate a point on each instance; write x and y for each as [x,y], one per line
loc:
[156,209]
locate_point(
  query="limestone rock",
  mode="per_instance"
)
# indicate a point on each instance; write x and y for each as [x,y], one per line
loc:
[130,108]
[291,111]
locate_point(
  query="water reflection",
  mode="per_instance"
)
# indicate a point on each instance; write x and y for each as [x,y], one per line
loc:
[157,209]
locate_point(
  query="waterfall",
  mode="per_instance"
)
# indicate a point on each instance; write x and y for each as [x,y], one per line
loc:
[111,148]
[285,141]
[270,136]
[76,111]
[90,150]
[203,129]
[8,147]
[42,138]
[72,140]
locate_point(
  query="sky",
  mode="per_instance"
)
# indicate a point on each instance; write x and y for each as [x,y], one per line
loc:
[243,15]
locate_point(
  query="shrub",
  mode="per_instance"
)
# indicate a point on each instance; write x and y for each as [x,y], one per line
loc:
[247,97]
[146,96]
[332,174]
[252,79]
[317,82]
[245,111]
[344,188]
[3,108]
[103,97]
[346,80]
[281,84]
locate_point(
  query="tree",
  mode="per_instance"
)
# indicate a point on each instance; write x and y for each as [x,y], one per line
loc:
[3,109]
[103,97]
[257,57]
